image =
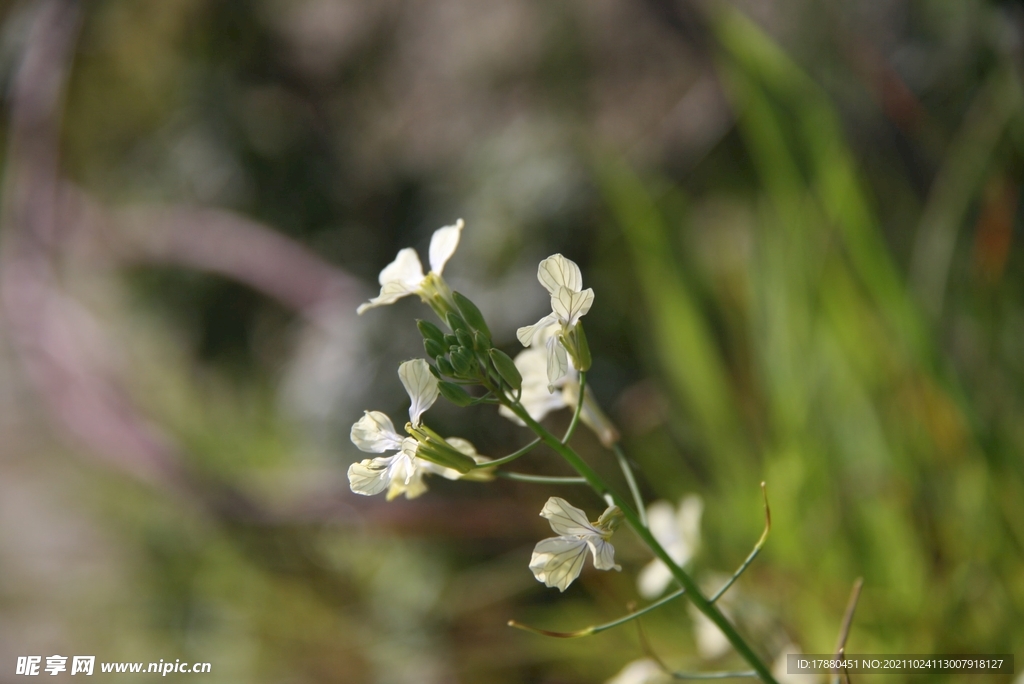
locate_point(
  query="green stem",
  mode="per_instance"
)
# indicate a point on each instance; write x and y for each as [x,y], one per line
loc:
[631,481]
[579,409]
[541,479]
[595,629]
[511,457]
[699,601]
[753,554]
[742,674]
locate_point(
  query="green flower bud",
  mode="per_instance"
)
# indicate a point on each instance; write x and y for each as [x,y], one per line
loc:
[451,341]
[581,348]
[454,393]
[445,455]
[444,366]
[465,339]
[430,331]
[481,342]
[506,369]
[461,362]
[433,347]
[470,313]
[457,323]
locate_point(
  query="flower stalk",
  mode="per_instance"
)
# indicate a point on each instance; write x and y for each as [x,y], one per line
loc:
[633,519]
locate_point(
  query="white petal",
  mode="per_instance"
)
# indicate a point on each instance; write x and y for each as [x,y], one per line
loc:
[466,447]
[389,294]
[375,433]
[644,671]
[566,519]
[371,476]
[571,306]
[407,472]
[405,270]
[558,362]
[557,561]
[653,579]
[557,272]
[443,244]
[529,334]
[604,553]
[437,469]
[401,277]
[535,398]
[421,385]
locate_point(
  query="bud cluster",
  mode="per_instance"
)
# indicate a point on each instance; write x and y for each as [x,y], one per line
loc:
[466,356]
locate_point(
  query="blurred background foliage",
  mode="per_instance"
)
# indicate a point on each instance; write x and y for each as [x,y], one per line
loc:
[801,220]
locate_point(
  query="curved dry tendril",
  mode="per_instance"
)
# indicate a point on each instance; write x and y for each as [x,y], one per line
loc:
[757,547]
[596,629]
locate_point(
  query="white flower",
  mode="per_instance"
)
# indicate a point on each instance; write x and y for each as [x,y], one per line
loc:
[403,472]
[404,276]
[644,671]
[557,561]
[678,532]
[569,302]
[538,398]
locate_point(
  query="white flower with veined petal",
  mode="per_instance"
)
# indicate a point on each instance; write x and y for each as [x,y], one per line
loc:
[563,280]
[557,561]
[403,472]
[404,276]
[678,532]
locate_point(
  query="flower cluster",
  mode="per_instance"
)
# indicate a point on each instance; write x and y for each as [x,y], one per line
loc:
[420,453]
[541,377]
[466,368]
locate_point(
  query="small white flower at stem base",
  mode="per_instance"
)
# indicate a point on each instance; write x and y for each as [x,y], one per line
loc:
[557,561]
[563,280]
[401,473]
[404,276]
[678,532]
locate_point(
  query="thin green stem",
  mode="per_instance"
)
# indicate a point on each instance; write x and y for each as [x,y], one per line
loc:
[633,519]
[754,552]
[541,479]
[596,629]
[579,409]
[634,489]
[511,457]
[739,674]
